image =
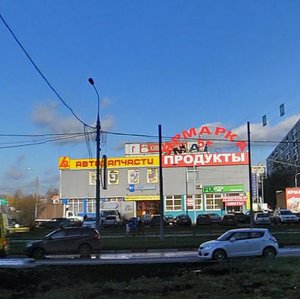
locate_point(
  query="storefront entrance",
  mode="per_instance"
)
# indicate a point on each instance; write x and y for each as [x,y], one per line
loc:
[147,207]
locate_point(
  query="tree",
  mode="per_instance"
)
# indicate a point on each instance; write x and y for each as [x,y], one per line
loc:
[24,208]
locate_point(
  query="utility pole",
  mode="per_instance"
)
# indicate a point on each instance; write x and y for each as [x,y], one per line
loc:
[98,149]
[161,191]
[250,176]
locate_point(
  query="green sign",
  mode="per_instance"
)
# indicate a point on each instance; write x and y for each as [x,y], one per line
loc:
[3,201]
[223,189]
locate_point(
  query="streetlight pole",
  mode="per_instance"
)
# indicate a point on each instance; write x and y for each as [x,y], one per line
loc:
[98,131]
[250,176]
[296,182]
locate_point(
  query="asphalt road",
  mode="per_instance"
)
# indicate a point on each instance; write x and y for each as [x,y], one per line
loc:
[149,257]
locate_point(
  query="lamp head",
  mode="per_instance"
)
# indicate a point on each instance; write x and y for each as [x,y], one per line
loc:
[91,81]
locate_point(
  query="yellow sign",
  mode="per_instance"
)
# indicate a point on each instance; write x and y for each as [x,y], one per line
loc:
[141,197]
[66,163]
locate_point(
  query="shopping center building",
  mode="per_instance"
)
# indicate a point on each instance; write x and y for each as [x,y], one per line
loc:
[195,179]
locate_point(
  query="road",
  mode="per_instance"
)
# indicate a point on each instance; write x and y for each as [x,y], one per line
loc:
[150,257]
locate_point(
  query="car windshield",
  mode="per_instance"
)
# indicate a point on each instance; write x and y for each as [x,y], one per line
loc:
[262,216]
[90,219]
[286,213]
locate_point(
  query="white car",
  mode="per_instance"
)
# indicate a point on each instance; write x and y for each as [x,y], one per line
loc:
[111,220]
[89,222]
[262,219]
[284,216]
[238,243]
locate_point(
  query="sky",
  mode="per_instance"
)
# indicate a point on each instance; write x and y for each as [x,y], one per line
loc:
[175,63]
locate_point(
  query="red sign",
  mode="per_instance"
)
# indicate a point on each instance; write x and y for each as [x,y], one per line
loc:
[205,159]
[234,203]
[217,132]
[239,198]
[293,199]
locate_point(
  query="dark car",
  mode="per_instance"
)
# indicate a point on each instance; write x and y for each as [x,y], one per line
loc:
[229,219]
[241,217]
[60,222]
[183,220]
[69,240]
[204,219]
[170,219]
[216,218]
[155,220]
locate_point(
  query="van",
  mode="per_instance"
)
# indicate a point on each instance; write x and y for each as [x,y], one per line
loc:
[3,235]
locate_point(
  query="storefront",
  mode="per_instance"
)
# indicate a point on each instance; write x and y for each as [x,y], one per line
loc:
[195,180]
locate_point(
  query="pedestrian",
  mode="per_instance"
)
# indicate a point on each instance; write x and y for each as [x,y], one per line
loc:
[140,226]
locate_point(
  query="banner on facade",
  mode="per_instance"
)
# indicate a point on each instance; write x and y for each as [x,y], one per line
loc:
[141,197]
[223,188]
[293,199]
[239,198]
[185,160]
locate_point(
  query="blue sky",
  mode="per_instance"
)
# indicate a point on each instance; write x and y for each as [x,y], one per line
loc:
[180,64]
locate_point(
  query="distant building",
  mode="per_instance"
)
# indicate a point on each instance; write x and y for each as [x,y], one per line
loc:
[285,158]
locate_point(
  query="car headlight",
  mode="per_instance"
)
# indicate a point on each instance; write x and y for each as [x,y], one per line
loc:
[29,245]
[208,247]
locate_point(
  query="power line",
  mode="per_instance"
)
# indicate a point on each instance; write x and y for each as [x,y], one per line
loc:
[40,72]
[40,142]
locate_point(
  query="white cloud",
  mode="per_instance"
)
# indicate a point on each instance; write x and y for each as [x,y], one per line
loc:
[268,133]
[47,116]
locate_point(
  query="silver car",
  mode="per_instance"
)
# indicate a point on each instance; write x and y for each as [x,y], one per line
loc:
[262,218]
[239,243]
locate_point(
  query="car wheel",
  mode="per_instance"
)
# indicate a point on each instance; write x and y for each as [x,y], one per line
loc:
[84,250]
[38,253]
[269,252]
[219,255]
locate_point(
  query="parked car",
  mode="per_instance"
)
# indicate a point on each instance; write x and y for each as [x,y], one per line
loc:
[4,246]
[75,240]
[298,215]
[112,220]
[229,219]
[89,222]
[146,219]
[284,216]
[242,218]
[204,219]
[170,219]
[183,220]
[262,219]
[155,220]
[60,222]
[215,218]
[240,243]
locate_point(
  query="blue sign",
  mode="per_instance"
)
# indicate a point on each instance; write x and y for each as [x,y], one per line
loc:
[254,186]
[65,201]
[131,188]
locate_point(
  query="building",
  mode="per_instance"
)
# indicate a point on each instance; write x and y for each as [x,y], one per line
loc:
[285,158]
[195,180]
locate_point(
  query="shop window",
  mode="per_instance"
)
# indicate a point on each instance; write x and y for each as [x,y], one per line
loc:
[173,203]
[194,202]
[76,205]
[91,205]
[115,199]
[213,201]
[198,202]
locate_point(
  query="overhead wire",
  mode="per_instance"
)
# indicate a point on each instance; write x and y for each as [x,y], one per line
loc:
[39,71]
